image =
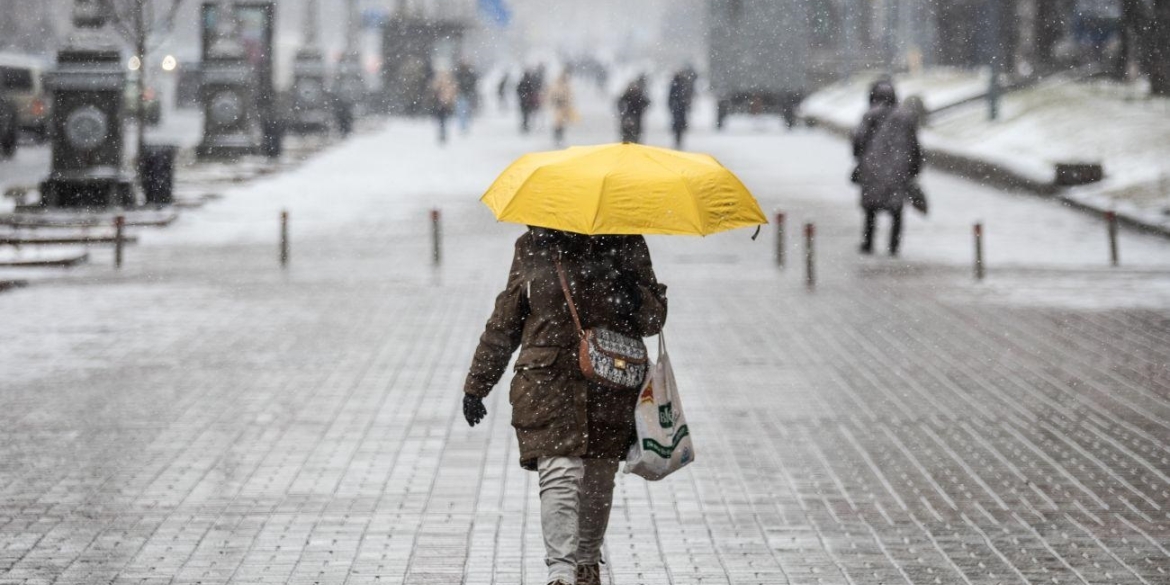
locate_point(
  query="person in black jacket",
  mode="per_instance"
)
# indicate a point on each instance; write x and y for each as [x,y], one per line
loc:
[9,128]
[679,98]
[631,107]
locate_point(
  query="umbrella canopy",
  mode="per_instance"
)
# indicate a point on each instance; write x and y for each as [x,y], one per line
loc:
[626,189]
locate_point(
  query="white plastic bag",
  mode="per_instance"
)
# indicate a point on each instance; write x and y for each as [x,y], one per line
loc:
[664,441]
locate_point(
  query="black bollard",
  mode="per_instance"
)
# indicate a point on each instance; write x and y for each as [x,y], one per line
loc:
[810,272]
[284,238]
[1111,224]
[119,240]
[436,237]
[979,269]
[780,239]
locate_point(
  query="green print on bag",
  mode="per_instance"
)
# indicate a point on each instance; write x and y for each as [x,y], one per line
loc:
[666,415]
[665,451]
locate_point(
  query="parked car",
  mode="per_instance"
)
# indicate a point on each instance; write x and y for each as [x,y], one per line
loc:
[759,57]
[22,80]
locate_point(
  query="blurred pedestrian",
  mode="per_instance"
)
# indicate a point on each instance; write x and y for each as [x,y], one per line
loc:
[528,94]
[502,91]
[679,99]
[444,92]
[889,158]
[467,101]
[572,431]
[560,96]
[9,127]
[631,107]
[343,115]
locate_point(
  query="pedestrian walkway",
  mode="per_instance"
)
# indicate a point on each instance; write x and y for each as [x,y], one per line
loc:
[204,416]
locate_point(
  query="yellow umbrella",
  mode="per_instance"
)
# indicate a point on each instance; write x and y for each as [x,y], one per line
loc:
[623,189]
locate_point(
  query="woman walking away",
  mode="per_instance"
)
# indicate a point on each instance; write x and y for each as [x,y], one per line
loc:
[560,95]
[571,431]
[889,157]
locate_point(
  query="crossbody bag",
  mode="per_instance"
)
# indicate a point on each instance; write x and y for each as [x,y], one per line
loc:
[607,358]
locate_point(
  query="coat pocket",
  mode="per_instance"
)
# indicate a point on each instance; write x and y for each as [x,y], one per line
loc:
[539,391]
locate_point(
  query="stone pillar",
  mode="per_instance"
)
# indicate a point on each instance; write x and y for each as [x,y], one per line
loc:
[231,125]
[310,101]
[86,128]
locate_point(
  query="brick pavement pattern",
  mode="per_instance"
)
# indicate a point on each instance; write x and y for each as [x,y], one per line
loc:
[203,417]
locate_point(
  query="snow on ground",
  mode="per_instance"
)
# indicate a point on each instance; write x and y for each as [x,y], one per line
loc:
[390,178]
[1058,120]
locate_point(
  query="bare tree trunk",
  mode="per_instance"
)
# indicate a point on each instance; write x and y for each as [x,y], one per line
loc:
[1158,43]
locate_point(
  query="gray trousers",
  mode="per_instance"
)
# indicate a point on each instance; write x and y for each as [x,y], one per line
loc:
[575,499]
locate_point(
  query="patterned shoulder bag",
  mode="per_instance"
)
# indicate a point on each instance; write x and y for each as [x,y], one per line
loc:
[608,358]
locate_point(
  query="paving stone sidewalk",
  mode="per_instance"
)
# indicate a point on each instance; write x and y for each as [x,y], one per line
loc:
[204,417]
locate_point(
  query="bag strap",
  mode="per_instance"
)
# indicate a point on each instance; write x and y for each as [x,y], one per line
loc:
[568,296]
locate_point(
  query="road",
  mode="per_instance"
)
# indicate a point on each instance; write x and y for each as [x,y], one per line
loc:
[203,416]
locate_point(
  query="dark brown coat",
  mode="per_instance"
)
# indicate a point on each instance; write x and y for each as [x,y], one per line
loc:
[555,411]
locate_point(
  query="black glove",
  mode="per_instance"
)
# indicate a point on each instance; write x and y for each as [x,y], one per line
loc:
[473,409]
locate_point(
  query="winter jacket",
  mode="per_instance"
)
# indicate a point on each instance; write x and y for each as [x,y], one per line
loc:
[555,410]
[889,156]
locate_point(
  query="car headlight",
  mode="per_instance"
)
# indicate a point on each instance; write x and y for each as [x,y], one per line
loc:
[226,108]
[86,128]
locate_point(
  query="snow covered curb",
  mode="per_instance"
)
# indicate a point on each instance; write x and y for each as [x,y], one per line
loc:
[1042,126]
[963,164]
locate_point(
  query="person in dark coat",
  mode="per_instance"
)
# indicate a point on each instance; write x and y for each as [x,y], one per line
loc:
[679,99]
[570,430]
[502,90]
[631,106]
[9,128]
[889,158]
[528,94]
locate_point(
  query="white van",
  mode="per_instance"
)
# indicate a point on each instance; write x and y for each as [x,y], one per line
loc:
[22,81]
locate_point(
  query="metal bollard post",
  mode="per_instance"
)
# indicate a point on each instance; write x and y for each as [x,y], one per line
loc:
[284,238]
[436,237]
[810,272]
[119,241]
[1111,224]
[780,239]
[979,269]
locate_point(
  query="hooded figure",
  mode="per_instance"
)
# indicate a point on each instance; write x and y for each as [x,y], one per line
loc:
[889,158]
[631,106]
[570,430]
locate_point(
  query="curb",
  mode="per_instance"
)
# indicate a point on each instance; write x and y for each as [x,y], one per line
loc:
[992,174]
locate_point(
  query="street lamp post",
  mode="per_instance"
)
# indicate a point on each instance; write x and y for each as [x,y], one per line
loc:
[349,86]
[995,56]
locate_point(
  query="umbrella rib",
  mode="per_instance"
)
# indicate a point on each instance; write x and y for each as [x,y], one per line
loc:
[597,207]
[694,200]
